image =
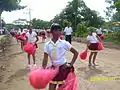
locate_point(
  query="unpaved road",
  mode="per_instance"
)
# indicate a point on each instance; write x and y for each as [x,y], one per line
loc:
[14,75]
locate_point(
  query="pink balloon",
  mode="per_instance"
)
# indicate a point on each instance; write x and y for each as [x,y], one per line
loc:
[40,77]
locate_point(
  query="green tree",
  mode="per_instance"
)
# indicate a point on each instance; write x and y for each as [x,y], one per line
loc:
[81,29]
[116,17]
[37,23]
[9,5]
[77,12]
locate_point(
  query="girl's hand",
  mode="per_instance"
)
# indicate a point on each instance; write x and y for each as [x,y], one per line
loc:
[69,65]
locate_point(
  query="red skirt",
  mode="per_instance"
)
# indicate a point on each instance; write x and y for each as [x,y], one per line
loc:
[99,35]
[44,37]
[63,73]
[93,46]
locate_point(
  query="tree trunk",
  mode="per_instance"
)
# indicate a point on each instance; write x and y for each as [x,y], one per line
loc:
[0,19]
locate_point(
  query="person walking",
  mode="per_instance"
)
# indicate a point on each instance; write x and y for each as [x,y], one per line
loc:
[68,33]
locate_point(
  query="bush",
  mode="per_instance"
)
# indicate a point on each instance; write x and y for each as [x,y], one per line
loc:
[4,43]
[81,29]
[113,37]
[92,28]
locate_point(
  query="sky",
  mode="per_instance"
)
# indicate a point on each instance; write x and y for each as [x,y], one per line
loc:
[47,9]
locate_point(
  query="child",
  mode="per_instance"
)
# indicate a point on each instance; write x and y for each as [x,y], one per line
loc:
[22,32]
[31,37]
[48,33]
[100,33]
[55,49]
[43,35]
[92,45]
[68,33]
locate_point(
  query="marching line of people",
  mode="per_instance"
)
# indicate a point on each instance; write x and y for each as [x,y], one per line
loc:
[56,48]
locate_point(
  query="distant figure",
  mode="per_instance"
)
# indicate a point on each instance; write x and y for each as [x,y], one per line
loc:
[43,34]
[99,32]
[92,45]
[23,33]
[48,33]
[68,33]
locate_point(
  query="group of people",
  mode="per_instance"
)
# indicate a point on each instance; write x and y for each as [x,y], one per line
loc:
[55,48]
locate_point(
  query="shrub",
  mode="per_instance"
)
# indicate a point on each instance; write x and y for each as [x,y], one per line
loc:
[81,29]
[92,28]
[4,43]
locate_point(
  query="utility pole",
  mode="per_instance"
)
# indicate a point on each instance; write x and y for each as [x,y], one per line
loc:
[29,12]
[29,15]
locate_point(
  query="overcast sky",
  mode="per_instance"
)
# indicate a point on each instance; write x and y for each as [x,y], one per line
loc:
[47,9]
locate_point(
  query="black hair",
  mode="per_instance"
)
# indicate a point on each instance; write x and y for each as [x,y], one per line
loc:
[21,29]
[90,31]
[55,26]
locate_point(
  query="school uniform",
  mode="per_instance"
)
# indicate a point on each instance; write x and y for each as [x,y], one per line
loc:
[93,42]
[43,33]
[99,32]
[56,52]
[68,34]
[23,40]
[31,38]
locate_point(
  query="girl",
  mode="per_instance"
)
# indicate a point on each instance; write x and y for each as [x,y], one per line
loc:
[55,49]
[22,33]
[92,45]
[31,37]
[43,33]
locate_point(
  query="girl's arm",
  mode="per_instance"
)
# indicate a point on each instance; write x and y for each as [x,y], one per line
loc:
[75,55]
[26,38]
[45,60]
[88,44]
[99,38]
[37,39]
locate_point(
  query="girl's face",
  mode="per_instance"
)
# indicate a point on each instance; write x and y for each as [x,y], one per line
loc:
[56,33]
[89,33]
[30,30]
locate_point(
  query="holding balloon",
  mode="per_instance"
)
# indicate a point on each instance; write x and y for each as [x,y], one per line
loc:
[31,38]
[93,45]
[55,49]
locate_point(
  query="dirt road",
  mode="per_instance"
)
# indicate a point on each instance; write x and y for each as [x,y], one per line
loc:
[14,75]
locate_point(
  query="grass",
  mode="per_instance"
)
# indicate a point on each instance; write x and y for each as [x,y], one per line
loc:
[114,40]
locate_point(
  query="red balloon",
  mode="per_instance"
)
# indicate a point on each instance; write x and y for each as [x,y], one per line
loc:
[102,37]
[29,48]
[100,46]
[83,55]
[21,37]
[23,34]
